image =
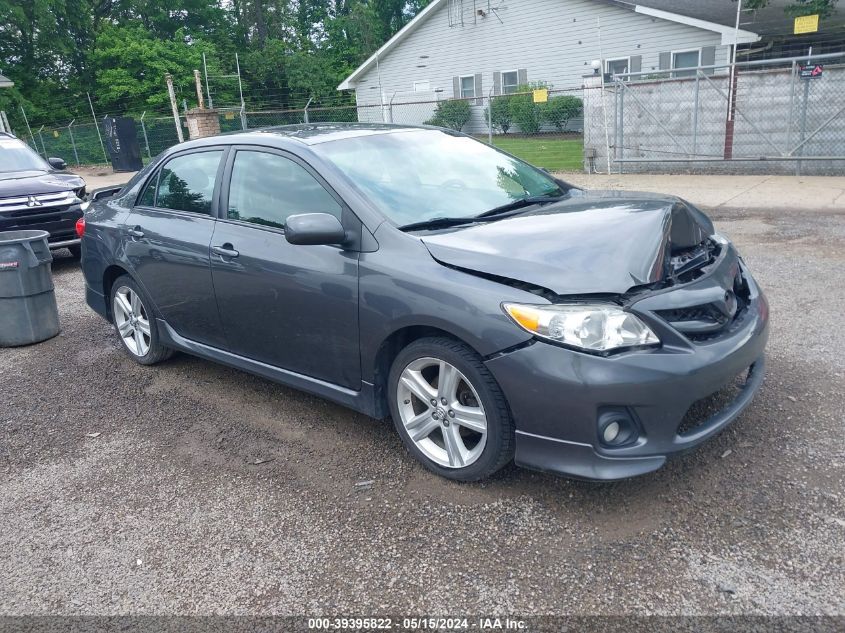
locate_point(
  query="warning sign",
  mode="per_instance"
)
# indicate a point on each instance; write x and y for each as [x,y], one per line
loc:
[806,24]
[810,71]
[541,95]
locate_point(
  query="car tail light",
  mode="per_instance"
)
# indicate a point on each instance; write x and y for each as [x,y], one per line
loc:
[80,227]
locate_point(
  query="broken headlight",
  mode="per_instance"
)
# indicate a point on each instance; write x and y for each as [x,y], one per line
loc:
[597,328]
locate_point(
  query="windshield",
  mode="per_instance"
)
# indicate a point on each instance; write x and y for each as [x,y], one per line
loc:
[418,175]
[15,155]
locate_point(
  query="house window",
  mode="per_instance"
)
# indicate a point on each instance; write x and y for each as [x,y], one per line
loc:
[467,87]
[422,86]
[618,66]
[686,59]
[510,82]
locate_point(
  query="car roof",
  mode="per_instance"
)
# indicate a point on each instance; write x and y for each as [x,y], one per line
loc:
[306,133]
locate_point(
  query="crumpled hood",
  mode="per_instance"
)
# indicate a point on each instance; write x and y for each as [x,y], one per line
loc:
[592,242]
[24,183]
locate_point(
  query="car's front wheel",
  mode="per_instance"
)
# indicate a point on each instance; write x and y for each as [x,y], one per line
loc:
[449,410]
[134,323]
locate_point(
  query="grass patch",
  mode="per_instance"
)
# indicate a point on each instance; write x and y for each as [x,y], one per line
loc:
[554,154]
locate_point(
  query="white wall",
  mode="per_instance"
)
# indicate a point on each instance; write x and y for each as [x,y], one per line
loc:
[555,40]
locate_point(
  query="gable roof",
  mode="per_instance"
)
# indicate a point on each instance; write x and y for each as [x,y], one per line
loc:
[726,31]
[5,82]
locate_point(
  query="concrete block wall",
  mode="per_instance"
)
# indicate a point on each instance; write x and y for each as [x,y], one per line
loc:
[658,119]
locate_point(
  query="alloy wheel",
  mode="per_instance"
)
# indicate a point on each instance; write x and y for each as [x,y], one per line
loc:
[133,324]
[441,412]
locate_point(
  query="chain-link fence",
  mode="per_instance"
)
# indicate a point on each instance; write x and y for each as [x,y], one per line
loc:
[542,128]
[771,116]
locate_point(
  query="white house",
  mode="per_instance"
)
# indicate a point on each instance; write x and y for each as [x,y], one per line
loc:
[473,48]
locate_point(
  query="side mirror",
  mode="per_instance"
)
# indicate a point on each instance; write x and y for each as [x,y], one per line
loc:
[57,163]
[312,229]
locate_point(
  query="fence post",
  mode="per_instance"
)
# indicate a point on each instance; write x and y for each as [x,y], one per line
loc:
[305,110]
[144,130]
[73,141]
[695,114]
[621,125]
[490,116]
[804,114]
[41,136]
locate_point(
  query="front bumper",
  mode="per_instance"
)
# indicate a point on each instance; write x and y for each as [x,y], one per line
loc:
[558,396]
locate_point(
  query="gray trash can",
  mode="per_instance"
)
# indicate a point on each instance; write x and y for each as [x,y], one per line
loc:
[28,311]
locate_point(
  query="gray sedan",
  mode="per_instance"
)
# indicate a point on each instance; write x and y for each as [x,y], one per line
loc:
[495,312]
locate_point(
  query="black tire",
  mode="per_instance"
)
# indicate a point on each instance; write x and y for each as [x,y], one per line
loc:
[499,447]
[157,352]
[75,251]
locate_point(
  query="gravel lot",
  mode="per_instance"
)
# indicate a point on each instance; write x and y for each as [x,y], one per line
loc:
[191,488]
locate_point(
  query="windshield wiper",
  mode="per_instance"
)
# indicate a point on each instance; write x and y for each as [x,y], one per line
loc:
[437,223]
[518,204]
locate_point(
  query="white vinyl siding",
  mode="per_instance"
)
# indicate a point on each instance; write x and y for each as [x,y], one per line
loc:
[484,45]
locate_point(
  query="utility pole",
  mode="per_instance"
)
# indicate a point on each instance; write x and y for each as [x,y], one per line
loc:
[240,91]
[207,85]
[198,82]
[97,126]
[25,120]
[169,79]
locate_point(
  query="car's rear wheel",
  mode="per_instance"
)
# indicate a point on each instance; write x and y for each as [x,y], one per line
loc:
[449,410]
[134,323]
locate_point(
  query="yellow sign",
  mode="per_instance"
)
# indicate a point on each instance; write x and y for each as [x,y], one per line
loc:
[229,116]
[55,134]
[806,24]
[541,95]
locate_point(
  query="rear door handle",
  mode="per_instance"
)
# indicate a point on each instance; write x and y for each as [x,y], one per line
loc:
[136,232]
[225,251]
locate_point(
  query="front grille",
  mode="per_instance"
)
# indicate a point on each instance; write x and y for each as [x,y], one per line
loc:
[703,410]
[709,321]
[26,205]
[55,213]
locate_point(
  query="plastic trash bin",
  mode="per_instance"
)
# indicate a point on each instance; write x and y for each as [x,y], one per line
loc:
[28,311]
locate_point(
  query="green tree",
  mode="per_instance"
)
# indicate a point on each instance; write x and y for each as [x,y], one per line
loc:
[798,7]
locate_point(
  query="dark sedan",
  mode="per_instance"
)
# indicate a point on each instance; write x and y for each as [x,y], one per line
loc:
[39,194]
[493,311]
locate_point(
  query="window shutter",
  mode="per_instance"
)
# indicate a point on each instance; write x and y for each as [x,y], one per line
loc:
[665,61]
[522,76]
[497,83]
[456,87]
[708,58]
[478,91]
[636,64]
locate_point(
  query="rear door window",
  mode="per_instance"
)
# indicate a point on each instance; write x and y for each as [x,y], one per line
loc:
[186,183]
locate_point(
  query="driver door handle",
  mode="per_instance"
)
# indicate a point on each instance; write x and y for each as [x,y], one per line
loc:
[225,251]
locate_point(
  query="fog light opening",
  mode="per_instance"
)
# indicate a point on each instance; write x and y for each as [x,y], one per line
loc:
[616,429]
[611,432]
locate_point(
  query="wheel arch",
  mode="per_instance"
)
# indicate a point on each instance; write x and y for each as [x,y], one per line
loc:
[110,275]
[387,351]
